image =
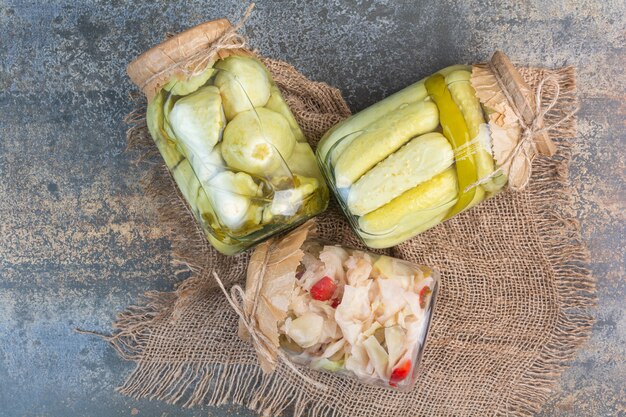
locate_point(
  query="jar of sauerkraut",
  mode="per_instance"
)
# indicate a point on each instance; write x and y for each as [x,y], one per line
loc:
[228,138]
[338,309]
[430,151]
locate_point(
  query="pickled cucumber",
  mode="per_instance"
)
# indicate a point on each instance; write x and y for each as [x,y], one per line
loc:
[418,161]
[383,138]
[414,207]
[340,134]
[406,231]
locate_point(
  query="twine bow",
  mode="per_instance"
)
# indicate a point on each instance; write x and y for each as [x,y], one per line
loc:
[521,157]
[262,345]
[197,62]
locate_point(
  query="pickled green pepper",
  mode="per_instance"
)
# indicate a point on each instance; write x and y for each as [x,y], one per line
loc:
[456,131]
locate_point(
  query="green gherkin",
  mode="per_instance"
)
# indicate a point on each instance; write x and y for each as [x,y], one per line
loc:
[341,135]
[413,208]
[382,138]
[418,161]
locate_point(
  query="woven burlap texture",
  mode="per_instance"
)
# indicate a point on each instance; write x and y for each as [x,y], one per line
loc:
[515,302]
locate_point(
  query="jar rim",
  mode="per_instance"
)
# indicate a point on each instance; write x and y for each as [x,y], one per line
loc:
[154,67]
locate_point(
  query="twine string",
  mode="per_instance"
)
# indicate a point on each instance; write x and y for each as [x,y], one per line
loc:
[199,61]
[522,155]
[263,346]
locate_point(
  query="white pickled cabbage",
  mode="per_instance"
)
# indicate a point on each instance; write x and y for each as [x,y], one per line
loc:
[359,268]
[327,365]
[389,267]
[355,308]
[378,357]
[311,276]
[395,338]
[377,323]
[305,330]
[392,296]
[358,362]
[333,258]
[333,348]
[330,329]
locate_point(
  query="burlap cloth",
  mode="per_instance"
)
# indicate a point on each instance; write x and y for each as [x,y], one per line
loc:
[515,300]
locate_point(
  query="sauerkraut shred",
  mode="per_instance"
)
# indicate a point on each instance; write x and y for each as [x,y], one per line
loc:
[374,321]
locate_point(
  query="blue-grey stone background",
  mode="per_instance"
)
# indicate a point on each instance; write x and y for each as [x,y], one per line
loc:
[79,241]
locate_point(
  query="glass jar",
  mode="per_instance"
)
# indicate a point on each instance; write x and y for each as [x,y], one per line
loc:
[412,160]
[232,145]
[359,314]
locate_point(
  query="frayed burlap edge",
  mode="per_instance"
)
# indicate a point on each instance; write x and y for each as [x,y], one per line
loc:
[191,384]
[553,197]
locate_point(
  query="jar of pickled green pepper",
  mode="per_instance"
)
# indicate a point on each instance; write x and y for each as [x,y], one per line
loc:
[228,138]
[425,153]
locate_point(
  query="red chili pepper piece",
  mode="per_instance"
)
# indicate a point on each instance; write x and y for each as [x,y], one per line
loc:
[323,289]
[424,292]
[400,373]
[335,303]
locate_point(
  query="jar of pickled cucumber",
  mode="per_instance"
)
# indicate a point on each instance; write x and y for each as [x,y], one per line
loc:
[228,138]
[426,153]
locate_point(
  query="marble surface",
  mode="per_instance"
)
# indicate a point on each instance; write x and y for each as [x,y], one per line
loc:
[79,241]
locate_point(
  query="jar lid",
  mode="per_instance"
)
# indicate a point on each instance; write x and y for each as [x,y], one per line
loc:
[154,68]
[521,96]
